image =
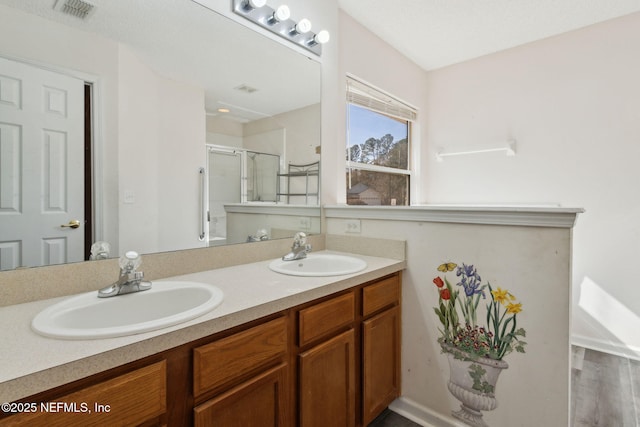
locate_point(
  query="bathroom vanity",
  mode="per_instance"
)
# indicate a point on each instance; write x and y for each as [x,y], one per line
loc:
[304,351]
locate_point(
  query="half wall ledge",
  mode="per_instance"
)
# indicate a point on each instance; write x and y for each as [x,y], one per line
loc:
[531,216]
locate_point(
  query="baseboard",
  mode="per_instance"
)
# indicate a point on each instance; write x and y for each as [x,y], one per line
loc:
[614,348]
[421,414]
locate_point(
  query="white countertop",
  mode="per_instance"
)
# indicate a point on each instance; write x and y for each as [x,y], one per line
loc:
[30,363]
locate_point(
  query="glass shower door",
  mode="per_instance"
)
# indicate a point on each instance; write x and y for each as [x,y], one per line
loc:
[225,170]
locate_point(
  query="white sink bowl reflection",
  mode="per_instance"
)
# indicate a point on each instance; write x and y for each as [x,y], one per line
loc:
[319,264]
[167,303]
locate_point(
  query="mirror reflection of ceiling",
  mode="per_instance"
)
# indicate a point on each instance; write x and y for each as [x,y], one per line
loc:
[183,40]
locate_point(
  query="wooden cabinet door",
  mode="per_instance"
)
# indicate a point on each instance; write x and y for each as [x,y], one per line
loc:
[261,401]
[327,383]
[381,362]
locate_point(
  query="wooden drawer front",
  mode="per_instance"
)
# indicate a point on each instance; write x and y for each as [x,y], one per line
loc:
[323,318]
[238,355]
[132,399]
[380,295]
[261,401]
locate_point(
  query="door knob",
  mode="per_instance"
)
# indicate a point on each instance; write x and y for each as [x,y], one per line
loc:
[74,223]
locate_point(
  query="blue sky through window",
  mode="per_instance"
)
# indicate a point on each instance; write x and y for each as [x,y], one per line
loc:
[364,124]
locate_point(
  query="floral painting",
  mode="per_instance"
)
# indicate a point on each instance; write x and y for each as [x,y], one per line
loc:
[478,328]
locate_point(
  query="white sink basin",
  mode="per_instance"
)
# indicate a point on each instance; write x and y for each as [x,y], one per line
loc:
[319,264]
[167,303]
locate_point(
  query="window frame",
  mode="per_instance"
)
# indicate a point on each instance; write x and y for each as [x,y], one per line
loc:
[367,96]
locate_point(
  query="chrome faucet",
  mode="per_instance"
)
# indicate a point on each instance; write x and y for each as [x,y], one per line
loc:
[300,248]
[130,280]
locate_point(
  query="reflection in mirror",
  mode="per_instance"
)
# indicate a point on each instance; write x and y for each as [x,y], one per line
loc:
[145,98]
[236,175]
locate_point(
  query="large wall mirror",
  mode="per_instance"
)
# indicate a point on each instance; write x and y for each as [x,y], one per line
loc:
[152,126]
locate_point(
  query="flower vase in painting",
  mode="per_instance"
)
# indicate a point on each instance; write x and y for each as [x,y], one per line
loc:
[478,329]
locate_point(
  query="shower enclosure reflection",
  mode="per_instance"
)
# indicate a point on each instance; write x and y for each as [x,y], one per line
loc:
[238,176]
[262,176]
[224,169]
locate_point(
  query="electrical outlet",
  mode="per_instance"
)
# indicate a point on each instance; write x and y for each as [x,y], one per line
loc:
[353,226]
[129,197]
[305,223]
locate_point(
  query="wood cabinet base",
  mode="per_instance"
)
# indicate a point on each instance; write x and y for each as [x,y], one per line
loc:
[330,362]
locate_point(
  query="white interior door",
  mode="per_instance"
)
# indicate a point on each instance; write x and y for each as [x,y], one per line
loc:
[41,166]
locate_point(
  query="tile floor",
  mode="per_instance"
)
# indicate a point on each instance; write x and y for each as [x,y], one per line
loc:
[605,390]
[390,419]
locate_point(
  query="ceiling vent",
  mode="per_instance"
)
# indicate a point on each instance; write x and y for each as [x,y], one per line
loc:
[245,88]
[78,8]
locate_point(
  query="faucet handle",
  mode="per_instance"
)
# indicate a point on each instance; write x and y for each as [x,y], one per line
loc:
[130,261]
[300,239]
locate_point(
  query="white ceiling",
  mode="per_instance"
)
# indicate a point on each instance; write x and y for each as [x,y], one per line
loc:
[437,33]
[190,43]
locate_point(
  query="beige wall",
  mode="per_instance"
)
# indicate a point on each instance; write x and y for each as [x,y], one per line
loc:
[572,104]
[301,132]
[161,148]
[533,263]
[365,56]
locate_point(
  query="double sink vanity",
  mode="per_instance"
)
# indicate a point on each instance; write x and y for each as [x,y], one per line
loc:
[314,341]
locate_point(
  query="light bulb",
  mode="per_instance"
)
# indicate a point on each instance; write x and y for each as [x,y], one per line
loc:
[282,13]
[322,37]
[304,26]
[254,4]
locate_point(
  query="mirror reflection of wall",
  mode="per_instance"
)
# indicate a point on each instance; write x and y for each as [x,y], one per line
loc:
[293,135]
[154,90]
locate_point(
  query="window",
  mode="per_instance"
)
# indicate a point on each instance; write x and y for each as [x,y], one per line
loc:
[378,147]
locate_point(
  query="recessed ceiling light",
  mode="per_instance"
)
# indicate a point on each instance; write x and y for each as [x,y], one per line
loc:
[223,110]
[246,88]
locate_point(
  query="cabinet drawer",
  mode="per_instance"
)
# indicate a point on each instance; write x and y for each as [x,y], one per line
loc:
[130,399]
[321,319]
[238,355]
[381,294]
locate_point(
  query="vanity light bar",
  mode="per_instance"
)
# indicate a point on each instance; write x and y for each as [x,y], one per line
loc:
[278,22]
